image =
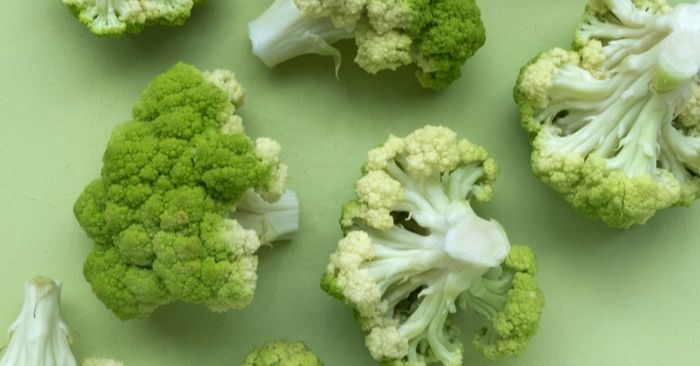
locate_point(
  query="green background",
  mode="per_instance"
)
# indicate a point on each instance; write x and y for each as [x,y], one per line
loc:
[613,297]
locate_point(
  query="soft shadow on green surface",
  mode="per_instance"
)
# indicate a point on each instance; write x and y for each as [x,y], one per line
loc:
[613,297]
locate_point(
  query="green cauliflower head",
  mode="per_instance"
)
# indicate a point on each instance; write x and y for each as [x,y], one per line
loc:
[116,17]
[438,36]
[415,253]
[614,121]
[184,200]
[282,353]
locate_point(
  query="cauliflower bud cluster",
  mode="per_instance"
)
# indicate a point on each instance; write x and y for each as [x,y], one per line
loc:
[184,200]
[614,122]
[437,35]
[115,17]
[415,253]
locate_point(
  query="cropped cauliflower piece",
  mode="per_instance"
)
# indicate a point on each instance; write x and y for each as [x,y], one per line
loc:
[116,17]
[415,253]
[184,201]
[101,362]
[282,353]
[614,122]
[438,36]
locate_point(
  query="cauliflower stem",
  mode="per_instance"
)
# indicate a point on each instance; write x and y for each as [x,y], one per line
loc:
[39,336]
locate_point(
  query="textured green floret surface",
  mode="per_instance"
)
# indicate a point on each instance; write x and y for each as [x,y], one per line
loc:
[157,212]
[282,353]
[446,34]
[510,329]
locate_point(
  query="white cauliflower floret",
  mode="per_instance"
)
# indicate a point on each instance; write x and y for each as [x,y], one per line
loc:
[226,81]
[378,192]
[380,157]
[537,79]
[386,51]
[386,343]
[430,150]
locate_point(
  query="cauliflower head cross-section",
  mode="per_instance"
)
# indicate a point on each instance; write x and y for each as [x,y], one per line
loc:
[115,17]
[438,36]
[614,122]
[184,200]
[415,253]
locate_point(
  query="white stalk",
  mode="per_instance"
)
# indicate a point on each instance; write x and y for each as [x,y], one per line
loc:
[271,221]
[283,32]
[39,337]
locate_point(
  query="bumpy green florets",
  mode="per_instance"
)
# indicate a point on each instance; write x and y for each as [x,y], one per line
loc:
[115,17]
[282,353]
[510,301]
[613,122]
[163,213]
[414,249]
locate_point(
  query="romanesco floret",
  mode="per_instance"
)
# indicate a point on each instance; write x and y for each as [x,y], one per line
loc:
[184,201]
[282,353]
[415,253]
[438,36]
[115,17]
[39,336]
[613,122]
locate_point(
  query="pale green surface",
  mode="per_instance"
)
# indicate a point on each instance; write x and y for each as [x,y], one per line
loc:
[613,297]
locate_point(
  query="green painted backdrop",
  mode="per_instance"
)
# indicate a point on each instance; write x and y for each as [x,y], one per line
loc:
[613,297]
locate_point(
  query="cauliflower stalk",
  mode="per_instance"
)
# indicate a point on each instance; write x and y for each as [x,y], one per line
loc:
[282,353]
[39,336]
[415,253]
[437,35]
[184,201]
[115,17]
[614,122]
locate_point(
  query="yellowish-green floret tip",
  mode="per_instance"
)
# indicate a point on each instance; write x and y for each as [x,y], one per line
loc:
[116,17]
[613,121]
[282,353]
[414,252]
[184,200]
